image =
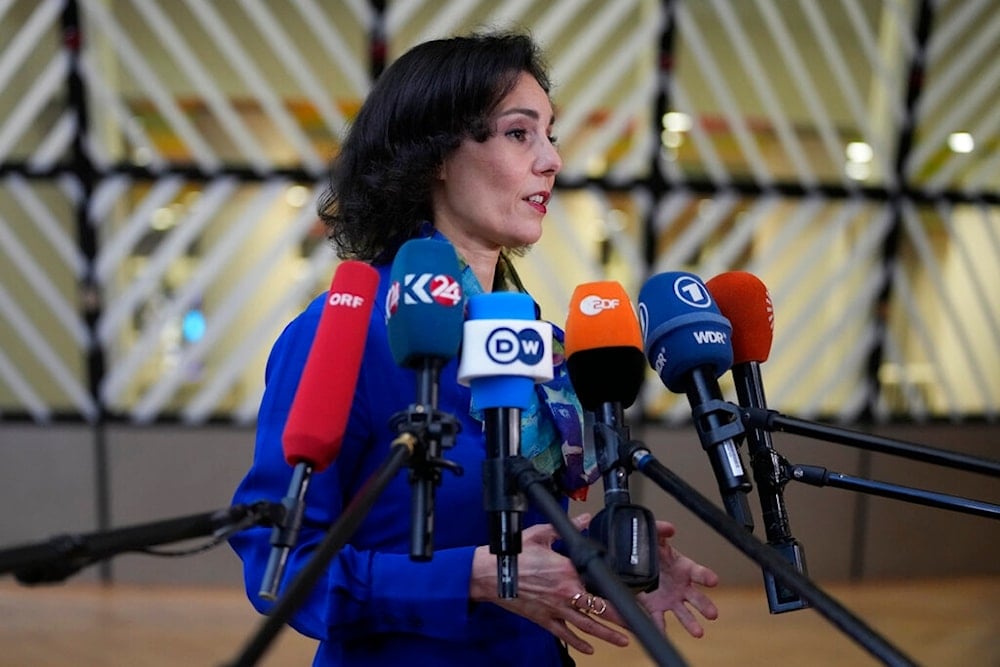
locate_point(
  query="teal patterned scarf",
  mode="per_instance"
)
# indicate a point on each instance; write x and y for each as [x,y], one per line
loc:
[552,426]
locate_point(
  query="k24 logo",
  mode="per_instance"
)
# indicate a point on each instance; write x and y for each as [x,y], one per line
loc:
[424,288]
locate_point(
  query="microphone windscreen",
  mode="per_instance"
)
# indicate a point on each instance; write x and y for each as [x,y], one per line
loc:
[682,328]
[425,308]
[604,345]
[318,416]
[745,302]
[505,350]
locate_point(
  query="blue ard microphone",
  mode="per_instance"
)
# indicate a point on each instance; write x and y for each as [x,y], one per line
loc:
[688,344]
[424,312]
[505,351]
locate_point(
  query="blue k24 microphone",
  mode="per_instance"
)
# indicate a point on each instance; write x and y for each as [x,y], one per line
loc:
[425,311]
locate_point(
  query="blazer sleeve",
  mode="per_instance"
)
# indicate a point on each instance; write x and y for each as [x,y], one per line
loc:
[363,592]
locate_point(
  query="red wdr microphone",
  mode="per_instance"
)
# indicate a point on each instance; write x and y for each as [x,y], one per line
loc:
[318,417]
[745,302]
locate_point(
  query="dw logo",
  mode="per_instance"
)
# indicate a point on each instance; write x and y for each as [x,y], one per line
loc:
[506,346]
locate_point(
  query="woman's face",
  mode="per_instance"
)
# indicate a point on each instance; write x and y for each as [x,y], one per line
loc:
[494,194]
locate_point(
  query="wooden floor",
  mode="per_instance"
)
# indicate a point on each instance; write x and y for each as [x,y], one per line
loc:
[948,622]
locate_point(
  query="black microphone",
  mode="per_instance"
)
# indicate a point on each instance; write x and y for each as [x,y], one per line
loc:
[505,351]
[606,366]
[424,311]
[744,300]
[687,344]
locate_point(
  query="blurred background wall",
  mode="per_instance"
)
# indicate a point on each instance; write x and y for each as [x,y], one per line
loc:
[159,168]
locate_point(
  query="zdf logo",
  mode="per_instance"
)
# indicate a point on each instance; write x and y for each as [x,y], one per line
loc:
[506,346]
[593,304]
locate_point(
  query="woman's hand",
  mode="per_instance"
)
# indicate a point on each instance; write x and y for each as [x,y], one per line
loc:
[679,588]
[547,582]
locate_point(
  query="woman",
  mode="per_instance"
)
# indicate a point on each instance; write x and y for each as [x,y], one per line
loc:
[455,143]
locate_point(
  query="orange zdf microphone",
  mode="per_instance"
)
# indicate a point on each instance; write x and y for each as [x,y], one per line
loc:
[745,302]
[317,419]
[606,365]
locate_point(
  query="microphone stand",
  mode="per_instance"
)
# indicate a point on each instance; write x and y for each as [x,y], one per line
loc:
[772,420]
[59,557]
[285,534]
[768,473]
[431,431]
[504,504]
[820,476]
[588,557]
[764,555]
[627,530]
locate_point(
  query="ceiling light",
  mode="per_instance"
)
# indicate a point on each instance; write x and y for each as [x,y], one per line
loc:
[676,121]
[961,142]
[297,196]
[859,151]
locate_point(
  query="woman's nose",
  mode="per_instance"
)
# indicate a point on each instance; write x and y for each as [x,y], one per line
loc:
[549,161]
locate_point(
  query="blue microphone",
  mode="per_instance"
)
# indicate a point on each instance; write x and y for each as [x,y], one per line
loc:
[424,312]
[688,343]
[425,308]
[505,351]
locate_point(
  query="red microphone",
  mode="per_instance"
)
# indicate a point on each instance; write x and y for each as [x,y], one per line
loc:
[745,302]
[317,419]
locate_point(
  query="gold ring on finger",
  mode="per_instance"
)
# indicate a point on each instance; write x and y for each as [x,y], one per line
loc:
[574,602]
[597,605]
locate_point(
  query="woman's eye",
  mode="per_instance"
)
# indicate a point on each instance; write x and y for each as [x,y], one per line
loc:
[518,134]
[554,140]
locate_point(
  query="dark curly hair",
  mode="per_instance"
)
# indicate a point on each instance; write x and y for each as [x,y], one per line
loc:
[419,111]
